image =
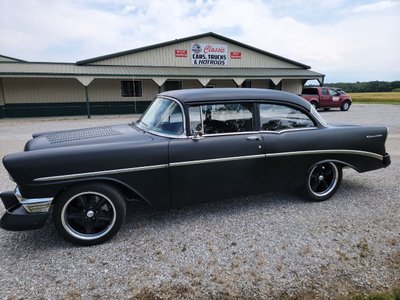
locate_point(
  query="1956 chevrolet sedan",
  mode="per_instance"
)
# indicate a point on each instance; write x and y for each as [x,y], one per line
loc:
[190,146]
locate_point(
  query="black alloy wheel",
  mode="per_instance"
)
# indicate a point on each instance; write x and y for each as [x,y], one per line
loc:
[323,180]
[89,214]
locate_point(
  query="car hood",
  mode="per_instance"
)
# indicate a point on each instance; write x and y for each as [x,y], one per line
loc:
[87,136]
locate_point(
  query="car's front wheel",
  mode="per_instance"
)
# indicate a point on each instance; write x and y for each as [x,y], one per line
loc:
[322,181]
[89,214]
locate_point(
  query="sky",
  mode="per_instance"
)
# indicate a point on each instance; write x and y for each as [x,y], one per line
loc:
[347,40]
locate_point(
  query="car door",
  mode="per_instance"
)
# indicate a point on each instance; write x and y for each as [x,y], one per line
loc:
[289,134]
[222,157]
[325,99]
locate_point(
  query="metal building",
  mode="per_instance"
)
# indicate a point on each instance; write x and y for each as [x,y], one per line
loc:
[126,82]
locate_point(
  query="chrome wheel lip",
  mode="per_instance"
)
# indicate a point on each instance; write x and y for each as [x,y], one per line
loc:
[85,236]
[332,184]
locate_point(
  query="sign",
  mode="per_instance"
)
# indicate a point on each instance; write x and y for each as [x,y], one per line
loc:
[181,53]
[236,55]
[209,54]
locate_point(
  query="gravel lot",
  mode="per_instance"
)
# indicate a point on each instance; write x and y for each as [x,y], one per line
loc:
[274,245]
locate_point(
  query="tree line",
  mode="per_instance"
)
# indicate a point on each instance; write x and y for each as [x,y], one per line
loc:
[366,87]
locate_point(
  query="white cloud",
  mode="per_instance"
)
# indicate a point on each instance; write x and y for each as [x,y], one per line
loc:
[376,7]
[342,40]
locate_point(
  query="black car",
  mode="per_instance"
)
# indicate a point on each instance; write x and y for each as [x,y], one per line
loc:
[190,146]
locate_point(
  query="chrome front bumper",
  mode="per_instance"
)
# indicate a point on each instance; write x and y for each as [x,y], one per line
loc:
[24,214]
[38,205]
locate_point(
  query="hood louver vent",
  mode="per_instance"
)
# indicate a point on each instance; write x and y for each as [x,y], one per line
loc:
[81,134]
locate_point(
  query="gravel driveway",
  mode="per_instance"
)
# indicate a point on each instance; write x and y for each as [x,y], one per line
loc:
[274,245]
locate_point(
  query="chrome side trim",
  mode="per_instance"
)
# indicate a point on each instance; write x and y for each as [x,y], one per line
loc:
[206,161]
[288,130]
[215,160]
[334,151]
[97,173]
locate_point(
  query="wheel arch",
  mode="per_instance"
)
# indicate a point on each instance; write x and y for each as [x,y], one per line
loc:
[127,191]
[341,163]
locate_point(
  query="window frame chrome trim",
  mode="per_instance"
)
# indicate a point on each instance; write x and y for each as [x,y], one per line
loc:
[180,136]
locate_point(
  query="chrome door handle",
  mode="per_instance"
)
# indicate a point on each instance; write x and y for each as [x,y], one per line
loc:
[253,138]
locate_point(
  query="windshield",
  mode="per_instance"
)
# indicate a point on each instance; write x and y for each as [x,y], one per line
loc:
[318,116]
[163,116]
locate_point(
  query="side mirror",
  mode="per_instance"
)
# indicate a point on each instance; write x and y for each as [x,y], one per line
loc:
[197,135]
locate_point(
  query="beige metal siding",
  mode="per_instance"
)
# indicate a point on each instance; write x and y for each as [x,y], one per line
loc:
[165,56]
[105,90]
[292,85]
[42,90]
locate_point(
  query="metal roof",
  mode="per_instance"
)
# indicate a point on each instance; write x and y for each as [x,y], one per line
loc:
[8,58]
[24,69]
[229,94]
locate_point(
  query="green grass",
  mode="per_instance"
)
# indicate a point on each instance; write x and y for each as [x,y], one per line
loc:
[376,98]
[389,295]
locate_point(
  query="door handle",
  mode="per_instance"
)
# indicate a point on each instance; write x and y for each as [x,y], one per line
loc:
[253,138]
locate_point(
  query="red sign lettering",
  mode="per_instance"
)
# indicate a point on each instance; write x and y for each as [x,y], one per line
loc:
[181,53]
[236,55]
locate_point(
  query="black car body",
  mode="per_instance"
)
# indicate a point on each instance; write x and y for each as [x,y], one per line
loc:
[190,146]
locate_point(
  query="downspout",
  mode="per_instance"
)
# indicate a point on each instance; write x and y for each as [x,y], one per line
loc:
[2,100]
[87,102]
[86,81]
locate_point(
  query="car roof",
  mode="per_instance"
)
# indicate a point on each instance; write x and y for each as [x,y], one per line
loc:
[233,94]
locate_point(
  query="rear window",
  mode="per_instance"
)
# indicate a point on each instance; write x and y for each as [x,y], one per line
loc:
[310,91]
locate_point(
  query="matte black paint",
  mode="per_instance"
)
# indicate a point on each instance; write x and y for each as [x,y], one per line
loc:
[261,161]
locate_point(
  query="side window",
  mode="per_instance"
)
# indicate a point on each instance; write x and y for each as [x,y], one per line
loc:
[325,92]
[333,93]
[274,117]
[221,118]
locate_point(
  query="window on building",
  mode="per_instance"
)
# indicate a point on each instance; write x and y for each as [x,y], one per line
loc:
[131,88]
[171,85]
[246,84]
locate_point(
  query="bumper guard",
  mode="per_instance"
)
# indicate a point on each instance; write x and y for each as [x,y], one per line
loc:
[23,214]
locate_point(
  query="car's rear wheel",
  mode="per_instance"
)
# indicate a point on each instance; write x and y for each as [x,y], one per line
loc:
[322,181]
[345,106]
[89,214]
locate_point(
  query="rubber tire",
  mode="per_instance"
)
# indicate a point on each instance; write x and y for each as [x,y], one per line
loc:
[311,195]
[109,193]
[345,106]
